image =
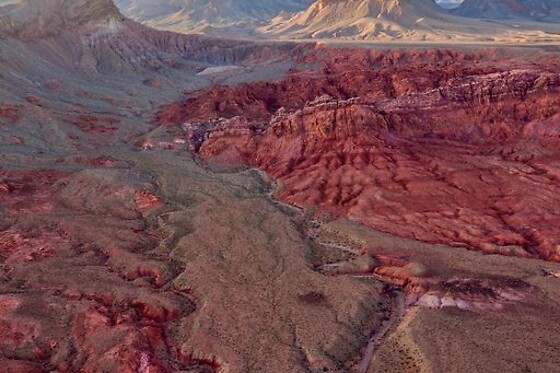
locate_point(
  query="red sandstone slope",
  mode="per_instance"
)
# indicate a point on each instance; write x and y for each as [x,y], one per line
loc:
[370,75]
[97,302]
[435,148]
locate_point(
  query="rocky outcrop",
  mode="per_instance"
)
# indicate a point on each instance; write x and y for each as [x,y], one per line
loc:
[425,289]
[381,74]
[30,19]
[9,113]
[323,14]
[474,295]
[443,155]
[136,47]
[379,20]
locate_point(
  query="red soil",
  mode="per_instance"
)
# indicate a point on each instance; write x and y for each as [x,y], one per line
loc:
[423,287]
[34,100]
[98,161]
[9,112]
[444,147]
[93,124]
[75,299]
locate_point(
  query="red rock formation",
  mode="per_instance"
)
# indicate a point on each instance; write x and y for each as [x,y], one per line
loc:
[145,201]
[370,75]
[98,161]
[33,100]
[93,124]
[116,314]
[9,113]
[431,147]
[425,289]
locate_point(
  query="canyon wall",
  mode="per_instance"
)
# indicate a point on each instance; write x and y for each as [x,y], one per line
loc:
[453,149]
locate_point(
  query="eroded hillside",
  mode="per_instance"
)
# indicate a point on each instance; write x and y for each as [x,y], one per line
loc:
[445,147]
[301,209]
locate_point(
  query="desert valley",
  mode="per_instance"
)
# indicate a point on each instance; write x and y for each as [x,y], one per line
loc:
[279,186]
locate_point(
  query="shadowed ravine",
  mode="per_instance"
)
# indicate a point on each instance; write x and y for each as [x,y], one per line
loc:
[395,306]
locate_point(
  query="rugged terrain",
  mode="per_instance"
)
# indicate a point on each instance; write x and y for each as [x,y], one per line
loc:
[226,18]
[446,140]
[520,10]
[356,20]
[176,203]
[447,147]
[401,21]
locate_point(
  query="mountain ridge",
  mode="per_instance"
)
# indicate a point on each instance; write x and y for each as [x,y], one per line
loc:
[360,18]
[210,17]
[31,19]
[528,10]
[351,20]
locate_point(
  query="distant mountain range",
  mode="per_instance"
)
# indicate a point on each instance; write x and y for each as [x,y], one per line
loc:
[220,17]
[532,10]
[385,20]
[362,19]
[508,21]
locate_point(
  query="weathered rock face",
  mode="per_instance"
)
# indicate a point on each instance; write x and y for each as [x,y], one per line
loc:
[424,289]
[439,152]
[103,40]
[33,18]
[135,47]
[369,75]
[332,11]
